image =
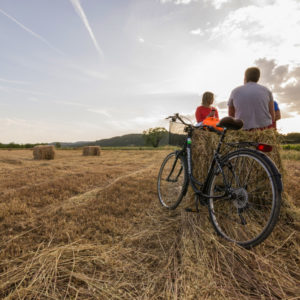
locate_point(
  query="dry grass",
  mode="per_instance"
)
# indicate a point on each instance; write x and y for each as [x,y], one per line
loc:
[91,228]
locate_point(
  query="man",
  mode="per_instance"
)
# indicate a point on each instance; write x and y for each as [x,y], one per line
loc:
[252,102]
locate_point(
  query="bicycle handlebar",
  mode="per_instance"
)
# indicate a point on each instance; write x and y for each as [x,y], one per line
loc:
[176,116]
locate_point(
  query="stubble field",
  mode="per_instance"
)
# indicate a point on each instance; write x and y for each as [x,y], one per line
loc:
[91,228]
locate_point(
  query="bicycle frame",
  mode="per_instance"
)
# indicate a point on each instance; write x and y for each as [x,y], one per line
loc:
[187,152]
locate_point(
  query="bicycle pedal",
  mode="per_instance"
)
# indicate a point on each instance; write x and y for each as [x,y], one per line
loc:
[188,209]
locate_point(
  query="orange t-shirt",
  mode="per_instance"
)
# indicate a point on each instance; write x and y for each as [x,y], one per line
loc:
[202,112]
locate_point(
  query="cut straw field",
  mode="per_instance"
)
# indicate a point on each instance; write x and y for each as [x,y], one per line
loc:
[90,227]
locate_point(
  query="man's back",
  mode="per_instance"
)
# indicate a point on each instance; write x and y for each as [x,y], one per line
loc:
[251,104]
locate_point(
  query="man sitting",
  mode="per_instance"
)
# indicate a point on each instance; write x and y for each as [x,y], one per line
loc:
[252,102]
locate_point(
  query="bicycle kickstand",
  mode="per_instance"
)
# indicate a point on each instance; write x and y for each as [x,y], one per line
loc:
[196,210]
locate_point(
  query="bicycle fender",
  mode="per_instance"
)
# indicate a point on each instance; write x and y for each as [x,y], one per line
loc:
[277,175]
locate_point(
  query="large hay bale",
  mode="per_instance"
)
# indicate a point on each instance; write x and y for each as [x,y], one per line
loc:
[91,151]
[43,152]
[205,143]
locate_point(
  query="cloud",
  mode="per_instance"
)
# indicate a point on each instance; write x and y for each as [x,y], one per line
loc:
[284,80]
[13,81]
[39,37]
[9,89]
[100,112]
[70,103]
[77,6]
[222,105]
[264,27]
[178,1]
[217,4]
[198,31]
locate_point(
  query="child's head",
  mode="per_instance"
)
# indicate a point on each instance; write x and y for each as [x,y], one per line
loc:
[207,99]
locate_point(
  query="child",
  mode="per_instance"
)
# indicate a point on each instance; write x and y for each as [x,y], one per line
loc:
[206,110]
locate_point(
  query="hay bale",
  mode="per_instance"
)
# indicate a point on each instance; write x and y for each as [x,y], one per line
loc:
[205,143]
[43,152]
[91,151]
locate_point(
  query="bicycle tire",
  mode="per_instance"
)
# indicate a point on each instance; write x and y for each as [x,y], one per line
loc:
[172,181]
[257,196]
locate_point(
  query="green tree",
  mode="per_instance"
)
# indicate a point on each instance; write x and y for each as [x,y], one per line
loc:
[153,136]
[292,138]
[57,145]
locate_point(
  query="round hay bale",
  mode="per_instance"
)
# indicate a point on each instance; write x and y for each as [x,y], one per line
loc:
[91,151]
[43,152]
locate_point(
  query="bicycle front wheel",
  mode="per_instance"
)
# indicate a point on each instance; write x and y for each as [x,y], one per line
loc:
[249,214]
[172,181]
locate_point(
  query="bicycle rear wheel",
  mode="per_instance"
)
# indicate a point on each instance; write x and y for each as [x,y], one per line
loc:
[248,216]
[172,181]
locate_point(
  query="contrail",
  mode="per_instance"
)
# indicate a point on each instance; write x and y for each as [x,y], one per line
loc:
[31,32]
[77,6]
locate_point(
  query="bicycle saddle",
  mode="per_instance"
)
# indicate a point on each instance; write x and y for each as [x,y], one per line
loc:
[230,123]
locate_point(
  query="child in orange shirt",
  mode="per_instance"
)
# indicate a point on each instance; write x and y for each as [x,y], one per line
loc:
[206,110]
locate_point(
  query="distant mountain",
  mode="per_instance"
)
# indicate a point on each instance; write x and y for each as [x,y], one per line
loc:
[134,139]
[127,140]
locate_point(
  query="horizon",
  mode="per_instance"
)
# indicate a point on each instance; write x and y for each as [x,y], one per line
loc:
[90,70]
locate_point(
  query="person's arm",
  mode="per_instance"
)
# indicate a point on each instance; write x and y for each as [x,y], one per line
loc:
[231,111]
[216,114]
[212,113]
[277,115]
[272,110]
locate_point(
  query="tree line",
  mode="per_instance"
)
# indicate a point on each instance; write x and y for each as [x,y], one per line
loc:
[13,145]
[154,137]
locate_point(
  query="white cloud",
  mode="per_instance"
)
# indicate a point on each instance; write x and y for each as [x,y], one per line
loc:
[33,92]
[263,28]
[100,112]
[217,4]
[77,6]
[179,1]
[198,31]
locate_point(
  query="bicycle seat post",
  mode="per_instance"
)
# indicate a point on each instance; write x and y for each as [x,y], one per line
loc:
[221,140]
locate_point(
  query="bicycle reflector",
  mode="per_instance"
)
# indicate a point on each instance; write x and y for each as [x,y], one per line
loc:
[264,147]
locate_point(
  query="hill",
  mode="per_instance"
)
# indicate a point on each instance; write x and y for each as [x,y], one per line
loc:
[134,139]
[127,140]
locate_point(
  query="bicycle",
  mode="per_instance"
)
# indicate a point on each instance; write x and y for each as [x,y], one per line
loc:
[242,188]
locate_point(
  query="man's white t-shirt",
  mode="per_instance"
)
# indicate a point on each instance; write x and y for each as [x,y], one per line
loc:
[251,104]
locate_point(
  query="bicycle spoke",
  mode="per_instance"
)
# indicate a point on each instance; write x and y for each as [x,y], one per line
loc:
[248,174]
[246,215]
[171,181]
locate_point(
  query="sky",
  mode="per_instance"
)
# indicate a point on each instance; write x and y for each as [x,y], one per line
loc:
[84,70]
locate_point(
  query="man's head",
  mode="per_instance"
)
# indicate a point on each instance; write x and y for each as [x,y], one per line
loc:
[252,74]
